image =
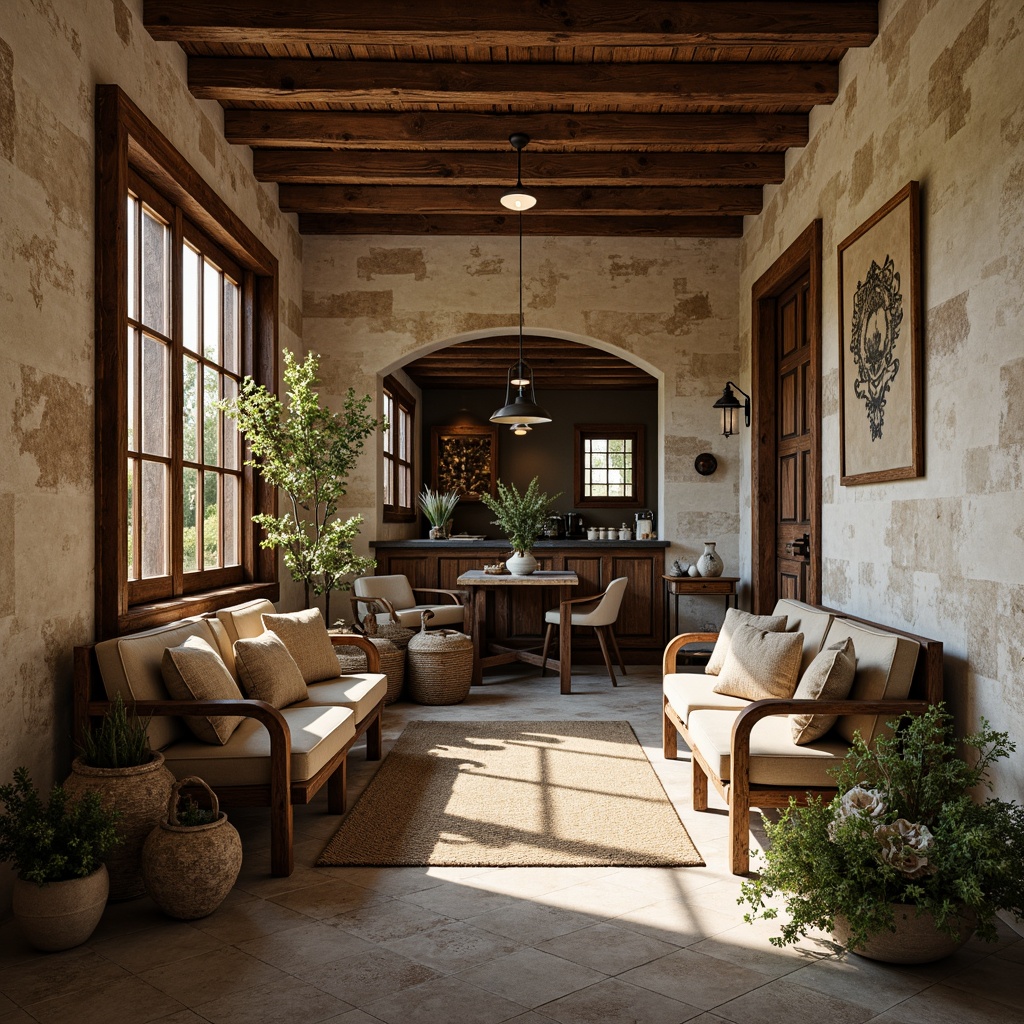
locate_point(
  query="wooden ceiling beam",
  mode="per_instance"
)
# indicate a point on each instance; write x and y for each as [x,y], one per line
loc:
[623,226]
[303,166]
[439,130]
[674,86]
[525,23]
[564,201]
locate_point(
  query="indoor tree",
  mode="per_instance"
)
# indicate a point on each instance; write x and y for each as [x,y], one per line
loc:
[307,451]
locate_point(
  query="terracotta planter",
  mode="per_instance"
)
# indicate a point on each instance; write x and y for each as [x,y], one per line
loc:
[190,869]
[140,793]
[60,915]
[915,941]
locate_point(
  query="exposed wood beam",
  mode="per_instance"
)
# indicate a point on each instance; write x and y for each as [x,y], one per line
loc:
[625,227]
[429,199]
[675,86]
[439,130]
[534,23]
[542,169]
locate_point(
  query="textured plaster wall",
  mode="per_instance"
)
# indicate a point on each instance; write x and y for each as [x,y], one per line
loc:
[52,55]
[936,98]
[669,305]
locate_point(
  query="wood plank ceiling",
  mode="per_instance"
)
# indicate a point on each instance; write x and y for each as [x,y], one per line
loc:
[646,117]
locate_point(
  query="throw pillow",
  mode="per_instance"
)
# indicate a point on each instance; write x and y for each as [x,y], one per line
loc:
[195,671]
[828,677]
[268,672]
[733,618]
[761,663]
[305,636]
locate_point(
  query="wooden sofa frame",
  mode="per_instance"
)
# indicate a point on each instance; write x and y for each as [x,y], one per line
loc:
[91,703]
[739,793]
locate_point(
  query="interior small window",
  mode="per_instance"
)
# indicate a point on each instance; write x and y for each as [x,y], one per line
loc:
[609,465]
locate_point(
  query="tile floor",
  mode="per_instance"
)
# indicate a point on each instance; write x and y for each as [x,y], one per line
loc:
[484,945]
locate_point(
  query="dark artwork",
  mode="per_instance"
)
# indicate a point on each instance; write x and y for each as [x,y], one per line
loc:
[877,315]
[464,465]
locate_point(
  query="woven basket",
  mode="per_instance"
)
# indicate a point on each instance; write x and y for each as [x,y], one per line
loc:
[398,635]
[392,664]
[440,665]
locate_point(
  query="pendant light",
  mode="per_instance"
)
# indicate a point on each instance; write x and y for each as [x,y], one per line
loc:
[518,199]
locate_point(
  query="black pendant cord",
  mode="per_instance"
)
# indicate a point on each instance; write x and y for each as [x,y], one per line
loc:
[520,294]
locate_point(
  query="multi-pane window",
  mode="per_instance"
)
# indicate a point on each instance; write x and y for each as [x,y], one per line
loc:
[398,468]
[609,464]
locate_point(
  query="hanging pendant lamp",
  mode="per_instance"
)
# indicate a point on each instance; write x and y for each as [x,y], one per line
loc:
[518,199]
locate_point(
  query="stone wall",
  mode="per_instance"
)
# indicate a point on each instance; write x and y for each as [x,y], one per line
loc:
[52,56]
[936,98]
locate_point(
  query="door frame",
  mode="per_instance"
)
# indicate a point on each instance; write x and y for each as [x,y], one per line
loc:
[802,257]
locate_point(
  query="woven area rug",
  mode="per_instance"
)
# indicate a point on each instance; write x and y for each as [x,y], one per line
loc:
[514,793]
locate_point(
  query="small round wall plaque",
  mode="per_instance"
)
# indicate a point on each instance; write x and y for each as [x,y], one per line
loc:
[705,464]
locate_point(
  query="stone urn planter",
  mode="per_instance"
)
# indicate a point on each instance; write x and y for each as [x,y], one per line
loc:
[916,939]
[189,869]
[60,915]
[521,563]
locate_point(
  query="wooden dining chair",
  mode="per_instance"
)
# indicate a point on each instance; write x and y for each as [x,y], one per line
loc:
[602,616]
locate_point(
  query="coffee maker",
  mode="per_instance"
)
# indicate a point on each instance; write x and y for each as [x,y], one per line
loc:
[644,524]
[573,524]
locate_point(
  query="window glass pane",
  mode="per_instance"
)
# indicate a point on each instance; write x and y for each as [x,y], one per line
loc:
[132,381]
[389,416]
[387,474]
[403,424]
[232,442]
[155,272]
[405,490]
[132,464]
[190,298]
[211,417]
[190,410]
[155,397]
[211,312]
[211,540]
[153,516]
[232,327]
[190,490]
[133,258]
[231,520]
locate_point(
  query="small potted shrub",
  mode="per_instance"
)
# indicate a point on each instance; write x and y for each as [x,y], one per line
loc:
[115,761]
[57,849]
[904,864]
[522,517]
[438,507]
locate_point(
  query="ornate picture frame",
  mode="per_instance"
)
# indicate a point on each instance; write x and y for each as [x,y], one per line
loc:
[881,376]
[465,459]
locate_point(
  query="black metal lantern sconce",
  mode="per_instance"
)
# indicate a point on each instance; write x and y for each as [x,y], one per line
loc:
[730,406]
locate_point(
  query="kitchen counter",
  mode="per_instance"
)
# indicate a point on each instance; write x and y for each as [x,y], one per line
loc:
[501,542]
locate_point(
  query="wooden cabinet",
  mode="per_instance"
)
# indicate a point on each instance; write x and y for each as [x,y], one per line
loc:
[640,627]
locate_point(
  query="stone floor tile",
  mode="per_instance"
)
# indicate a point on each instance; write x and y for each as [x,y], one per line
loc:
[289,1000]
[327,898]
[992,979]
[136,1002]
[695,978]
[613,1002]
[353,1017]
[781,1002]
[530,977]
[453,947]
[1014,952]
[443,1001]
[602,898]
[941,1004]
[387,881]
[679,922]
[368,976]
[856,979]
[744,946]
[459,902]
[139,951]
[528,883]
[533,921]
[607,948]
[249,920]
[181,1017]
[382,922]
[200,978]
[305,946]
[58,974]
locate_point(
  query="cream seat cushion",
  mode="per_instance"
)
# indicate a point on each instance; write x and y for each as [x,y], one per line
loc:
[305,635]
[733,618]
[397,590]
[194,671]
[691,691]
[360,692]
[775,760]
[828,677]
[317,734]
[761,664]
[267,671]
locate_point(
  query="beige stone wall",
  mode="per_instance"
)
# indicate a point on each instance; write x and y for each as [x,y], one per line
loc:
[936,98]
[669,305]
[52,55]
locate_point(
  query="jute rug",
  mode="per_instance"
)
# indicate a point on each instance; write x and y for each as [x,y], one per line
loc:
[513,793]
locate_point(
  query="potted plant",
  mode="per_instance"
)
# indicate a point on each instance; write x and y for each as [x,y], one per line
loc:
[522,518]
[438,507]
[116,762]
[192,858]
[904,864]
[56,849]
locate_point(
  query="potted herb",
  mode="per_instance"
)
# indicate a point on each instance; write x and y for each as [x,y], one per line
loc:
[438,507]
[522,517]
[116,762]
[57,849]
[903,864]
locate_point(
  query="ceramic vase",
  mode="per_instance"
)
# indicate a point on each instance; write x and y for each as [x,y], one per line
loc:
[521,563]
[709,564]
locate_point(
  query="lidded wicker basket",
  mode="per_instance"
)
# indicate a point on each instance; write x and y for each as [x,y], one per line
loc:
[440,665]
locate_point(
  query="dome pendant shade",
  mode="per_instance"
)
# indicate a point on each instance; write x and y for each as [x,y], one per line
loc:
[518,199]
[521,410]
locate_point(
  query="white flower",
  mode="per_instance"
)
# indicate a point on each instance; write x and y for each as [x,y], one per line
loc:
[905,846]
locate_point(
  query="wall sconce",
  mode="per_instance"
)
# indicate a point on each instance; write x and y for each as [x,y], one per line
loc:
[730,406]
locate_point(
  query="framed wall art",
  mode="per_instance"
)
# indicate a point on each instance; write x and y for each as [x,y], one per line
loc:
[465,459]
[881,429]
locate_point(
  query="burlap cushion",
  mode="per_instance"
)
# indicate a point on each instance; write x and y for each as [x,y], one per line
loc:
[305,636]
[268,672]
[195,671]
[828,677]
[733,618]
[761,663]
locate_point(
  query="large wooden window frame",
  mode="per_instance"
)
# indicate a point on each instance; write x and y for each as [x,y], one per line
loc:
[632,432]
[130,149]
[399,446]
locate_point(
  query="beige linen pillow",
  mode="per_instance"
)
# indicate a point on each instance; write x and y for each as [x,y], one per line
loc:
[828,677]
[268,672]
[195,671]
[305,636]
[761,663]
[733,618]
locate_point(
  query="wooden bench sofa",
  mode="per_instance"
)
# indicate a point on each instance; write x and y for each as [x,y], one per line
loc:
[275,758]
[746,747]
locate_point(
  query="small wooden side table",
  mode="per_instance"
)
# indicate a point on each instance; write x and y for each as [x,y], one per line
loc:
[696,586]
